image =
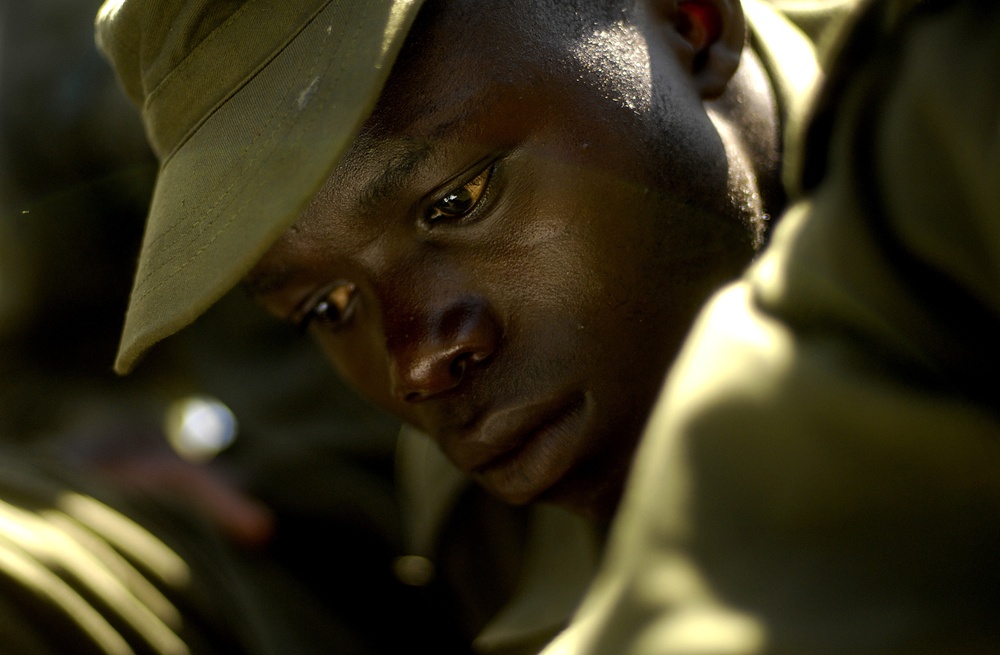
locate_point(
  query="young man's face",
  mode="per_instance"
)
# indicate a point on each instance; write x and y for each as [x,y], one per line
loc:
[511,251]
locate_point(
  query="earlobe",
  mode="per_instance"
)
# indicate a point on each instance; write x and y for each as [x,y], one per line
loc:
[714,32]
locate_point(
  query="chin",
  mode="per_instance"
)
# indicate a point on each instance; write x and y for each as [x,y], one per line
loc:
[593,494]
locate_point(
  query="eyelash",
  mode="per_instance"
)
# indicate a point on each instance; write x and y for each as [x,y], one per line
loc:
[311,315]
[485,174]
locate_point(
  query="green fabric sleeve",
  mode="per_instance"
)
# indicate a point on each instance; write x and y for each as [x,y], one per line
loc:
[822,473]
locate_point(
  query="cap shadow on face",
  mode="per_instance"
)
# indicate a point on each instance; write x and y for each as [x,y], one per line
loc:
[510,253]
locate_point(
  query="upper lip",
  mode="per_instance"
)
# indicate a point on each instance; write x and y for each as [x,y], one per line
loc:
[502,432]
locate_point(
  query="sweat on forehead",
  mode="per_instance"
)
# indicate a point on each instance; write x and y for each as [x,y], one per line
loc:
[596,40]
[554,16]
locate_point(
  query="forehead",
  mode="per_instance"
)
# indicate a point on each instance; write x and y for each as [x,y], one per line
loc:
[467,45]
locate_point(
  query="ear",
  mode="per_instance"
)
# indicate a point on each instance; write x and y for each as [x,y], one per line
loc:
[712,35]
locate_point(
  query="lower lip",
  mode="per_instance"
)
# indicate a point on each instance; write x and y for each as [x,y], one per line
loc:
[541,461]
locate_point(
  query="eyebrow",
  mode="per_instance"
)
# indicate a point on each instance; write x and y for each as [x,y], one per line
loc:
[262,284]
[416,152]
[396,174]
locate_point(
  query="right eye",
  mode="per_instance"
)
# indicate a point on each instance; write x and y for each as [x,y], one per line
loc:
[332,309]
[460,202]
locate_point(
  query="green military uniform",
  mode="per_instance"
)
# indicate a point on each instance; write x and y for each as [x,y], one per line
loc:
[821,472]
[519,579]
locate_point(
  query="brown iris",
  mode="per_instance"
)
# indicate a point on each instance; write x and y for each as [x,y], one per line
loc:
[334,307]
[459,202]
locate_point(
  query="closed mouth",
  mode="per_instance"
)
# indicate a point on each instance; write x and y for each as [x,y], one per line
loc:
[538,426]
[539,451]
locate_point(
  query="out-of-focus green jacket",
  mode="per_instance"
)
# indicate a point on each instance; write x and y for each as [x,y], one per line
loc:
[822,471]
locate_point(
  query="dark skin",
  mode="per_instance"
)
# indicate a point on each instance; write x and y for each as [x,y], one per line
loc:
[510,253]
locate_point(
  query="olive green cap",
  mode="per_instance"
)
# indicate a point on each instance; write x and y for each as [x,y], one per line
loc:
[248,105]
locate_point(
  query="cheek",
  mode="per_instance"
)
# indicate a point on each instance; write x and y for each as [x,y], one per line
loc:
[360,360]
[543,258]
[594,232]
[568,269]
[627,265]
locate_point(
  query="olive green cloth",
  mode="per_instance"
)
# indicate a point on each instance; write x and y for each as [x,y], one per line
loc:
[822,472]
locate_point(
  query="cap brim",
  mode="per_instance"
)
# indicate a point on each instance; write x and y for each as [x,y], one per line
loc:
[241,179]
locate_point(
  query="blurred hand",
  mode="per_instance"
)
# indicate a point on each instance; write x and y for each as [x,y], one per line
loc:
[203,487]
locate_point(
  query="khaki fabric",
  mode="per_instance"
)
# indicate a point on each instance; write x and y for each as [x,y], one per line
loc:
[822,472]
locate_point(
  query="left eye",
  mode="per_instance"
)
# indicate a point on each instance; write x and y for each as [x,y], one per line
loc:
[333,309]
[460,201]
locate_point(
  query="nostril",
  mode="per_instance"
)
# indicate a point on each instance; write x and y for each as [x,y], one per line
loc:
[447,377]
[461,363]
[438,358]
[458,366]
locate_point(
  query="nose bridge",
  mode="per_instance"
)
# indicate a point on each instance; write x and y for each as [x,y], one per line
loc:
[436,332]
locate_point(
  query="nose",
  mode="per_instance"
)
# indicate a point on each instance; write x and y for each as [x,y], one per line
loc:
[434,350]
